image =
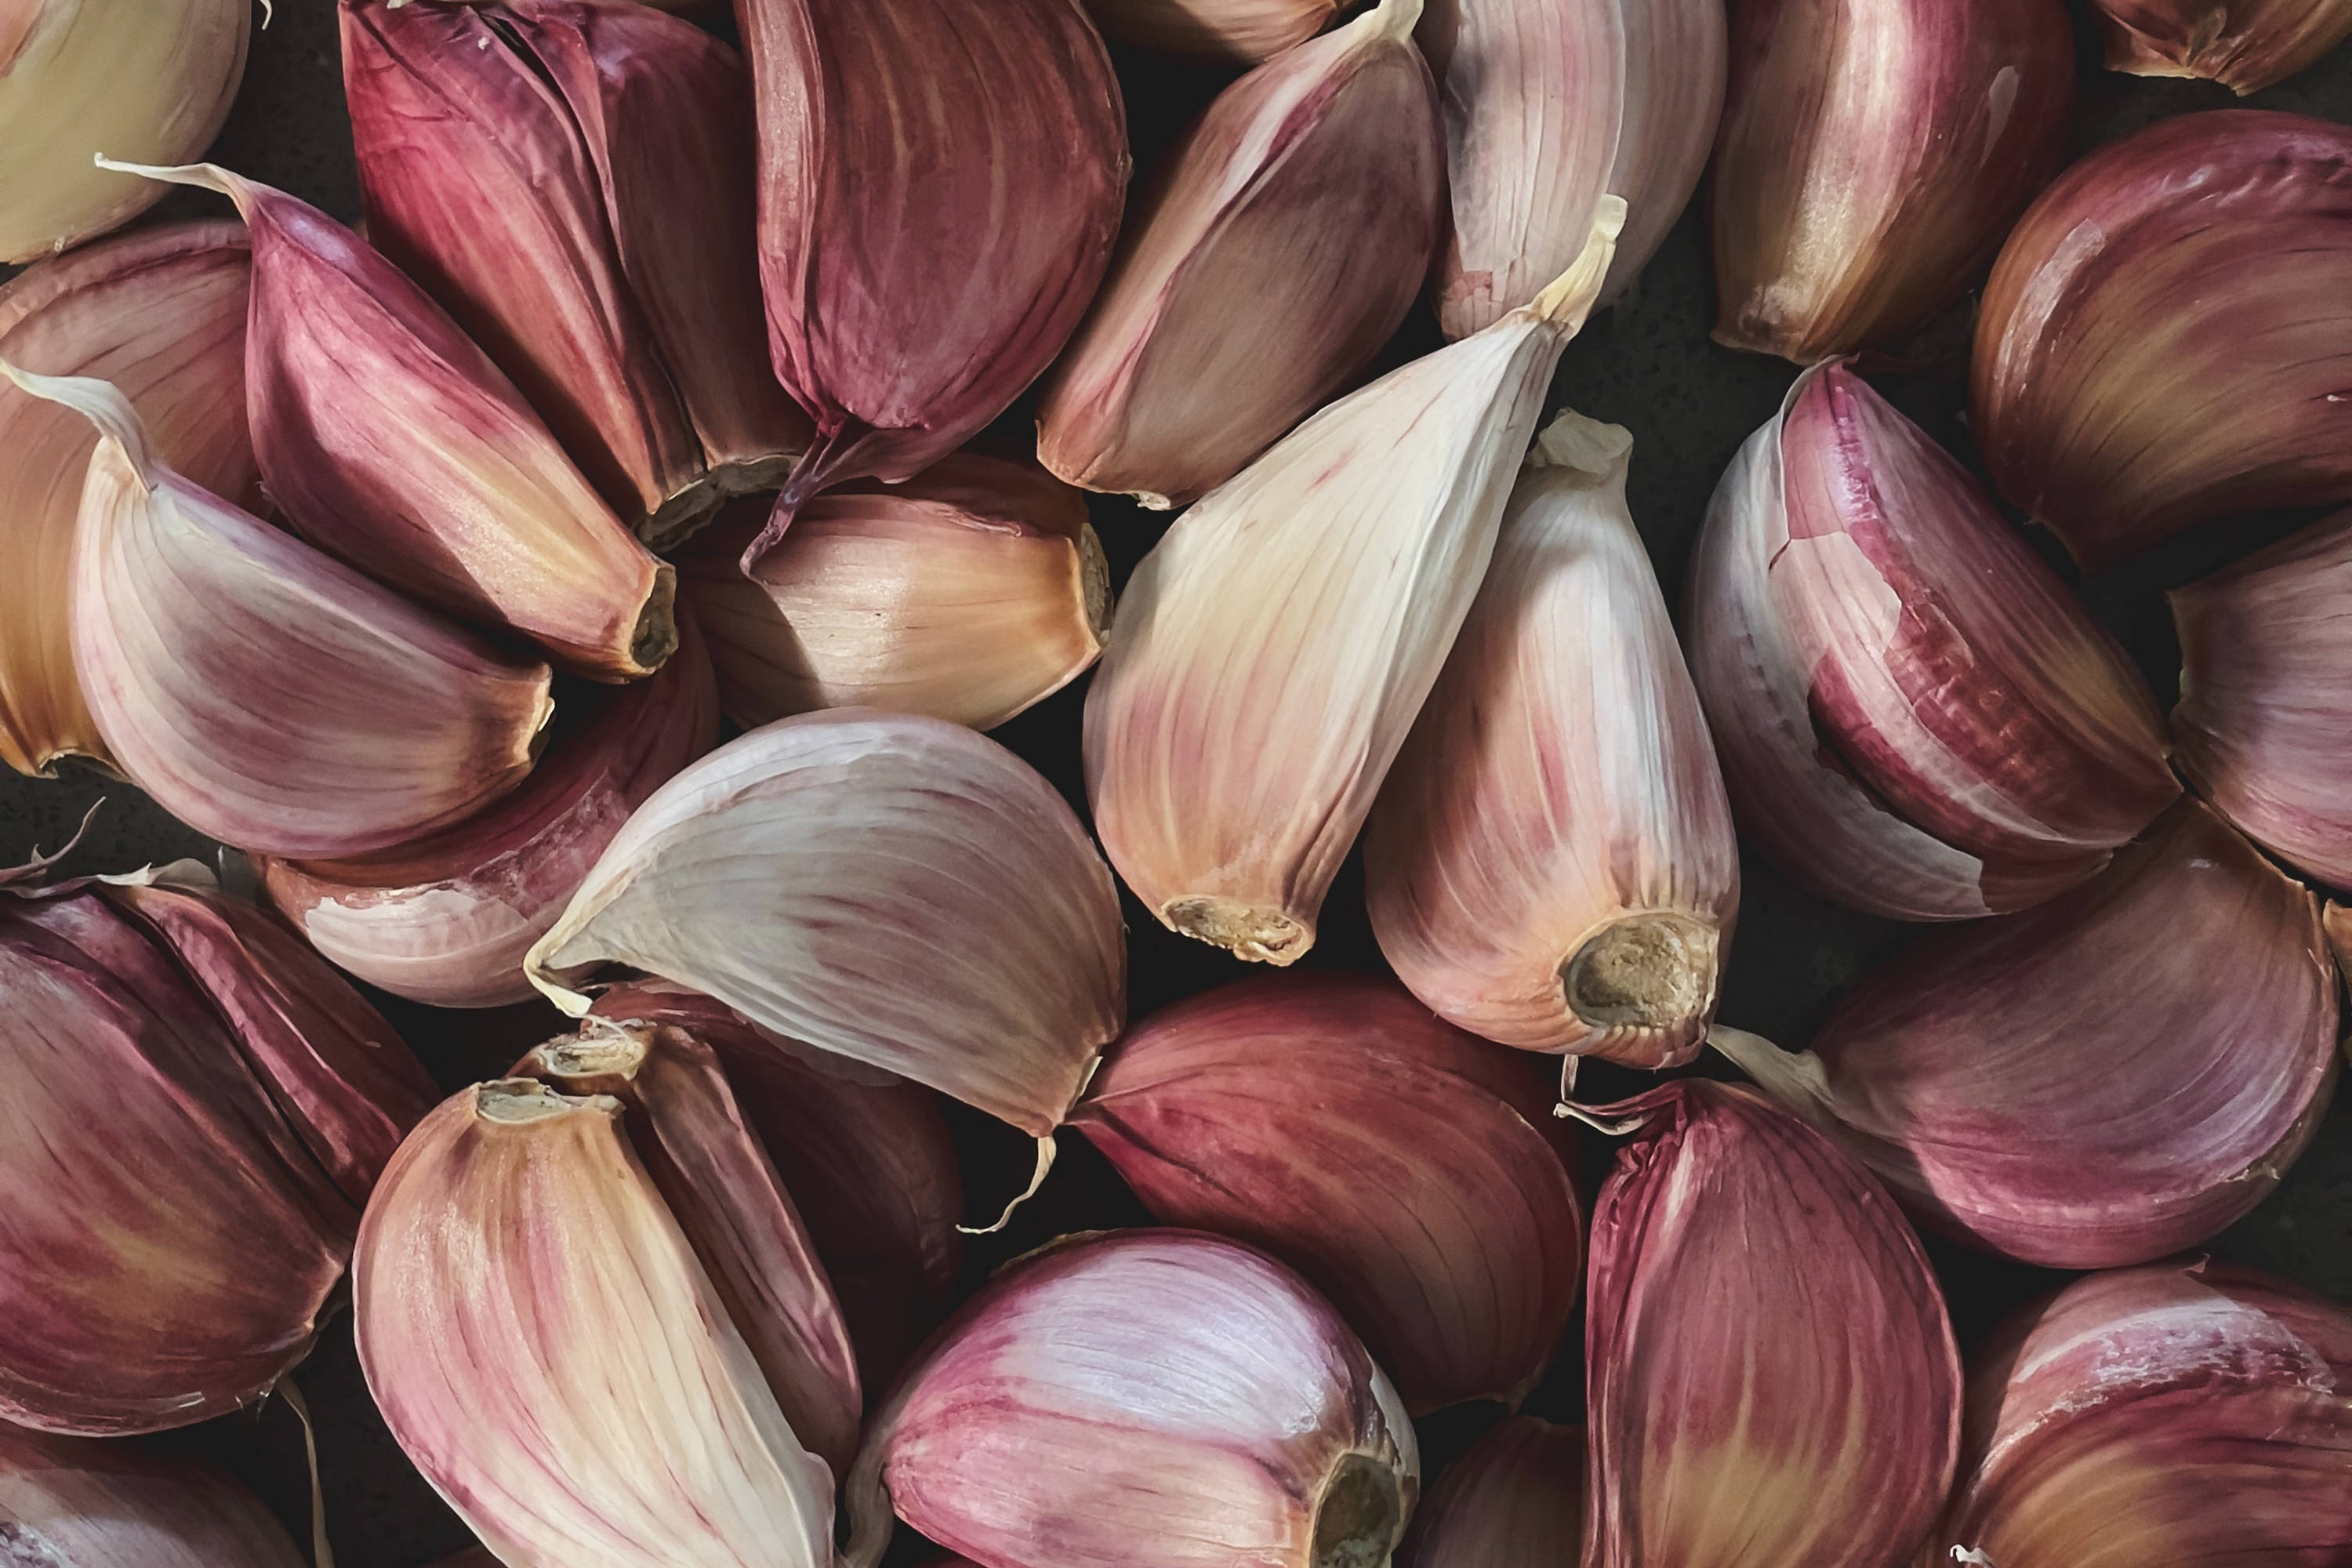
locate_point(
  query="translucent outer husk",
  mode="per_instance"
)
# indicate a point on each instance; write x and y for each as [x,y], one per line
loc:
[1551,861]
[1242,31]
[2245,45]
[1287,235]
[1770,1374]
[1412,1174]
[1916,717]
[1873,153]
[82,1504]
[2187,1412]
[159,313]
[2118,1074]
[1515,1501]
[134,79]
[2167,333]
[1141,1399]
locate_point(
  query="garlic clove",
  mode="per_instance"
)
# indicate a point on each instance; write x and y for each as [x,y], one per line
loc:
[912,293]
[1147,1398]
[1916,717]
[251,685]
[711,1169]
[2081,318]
[2118,1074]
[574,182]
[159,313]
[447,920]
[147,78]
[83,1504]
[1770,1376]
[1271,650]
[1289,232]
[970,591]
[870,1167]
[586,1402]
[1534,93]
[1674,71]
[804,872]
[1551,861]
[2244,48]
[393,443]
[1515,1501]
[1873,155]
[1413,1174]
[2186,1411]
[1241,31]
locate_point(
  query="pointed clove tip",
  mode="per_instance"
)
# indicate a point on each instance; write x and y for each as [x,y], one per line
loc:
[1250,932]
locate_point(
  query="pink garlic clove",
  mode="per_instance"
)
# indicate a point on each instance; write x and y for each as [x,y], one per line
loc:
[1515,1501]
[2246,46]
[83,1504]
[1241,31]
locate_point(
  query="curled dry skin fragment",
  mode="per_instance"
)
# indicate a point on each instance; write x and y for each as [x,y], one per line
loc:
[2245,45]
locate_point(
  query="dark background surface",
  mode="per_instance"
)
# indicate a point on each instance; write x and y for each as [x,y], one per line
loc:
[1648,365]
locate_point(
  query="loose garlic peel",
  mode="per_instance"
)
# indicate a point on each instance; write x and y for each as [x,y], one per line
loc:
[2245,47]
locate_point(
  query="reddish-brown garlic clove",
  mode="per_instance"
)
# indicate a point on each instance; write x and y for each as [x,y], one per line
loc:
[2244,45]
[75,1503]
[1242,31]
[2118,1074]
[1515,1501]
[1411,1173]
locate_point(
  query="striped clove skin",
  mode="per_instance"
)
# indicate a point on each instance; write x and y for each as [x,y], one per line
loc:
[1239,32]
[1515,1501]
[2244,45]
[572,179]
[969,592]
[1551,862]
[161,314]
[1286,236]
[1916,717]
[1674,74]
[77,1503]
[2116,1075]
[393,443]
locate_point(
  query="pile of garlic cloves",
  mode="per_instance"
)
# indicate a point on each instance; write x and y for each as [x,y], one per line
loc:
[973,802]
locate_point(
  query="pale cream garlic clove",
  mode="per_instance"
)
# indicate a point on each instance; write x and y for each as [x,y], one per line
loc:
[263,693]
[1551,863]
[161,314]
[970,592]
[1874,154]
[393,443]
[1916,717]
[2244,45]
[1272,651]
[71,1502]
[1285,238]
[548,1348]
[139,78]
[1674,71]
[1242,31]
[2114,1076]
[1515,1501]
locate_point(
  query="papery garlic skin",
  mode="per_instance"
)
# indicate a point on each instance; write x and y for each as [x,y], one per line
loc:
[1770,1372]
[1243,31]
[1916,717]
[1874,153]
[970,592]
[2116,1075]
[807,873]
[1675,75]
[1412,1174]
[1145,1398]
[573,181]
[1515,1501]
[2186,1411]
[549,1351]
[2249,212]
[75,1503]
[159,313]
[1271,650]
[1551,862]
[1288,234]
[2244,45]
[150,80]
[264,694]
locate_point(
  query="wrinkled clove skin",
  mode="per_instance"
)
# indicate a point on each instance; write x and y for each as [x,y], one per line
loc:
[2186,1411]
[1873,153]
[192,1109]
[447,920]
[2115,417]
[573,182]
[161,314]
[1674,72]
[1515,1501]
[2116,1075]
[911,293]
[82,1504]
[870,1168]
[1916,717]
[1414,1173]
[2244,45]
[969,593]
[1144,1398]
[1242,32]
[1287,235]
[138,79]
[1770,1375]
[1551,862]
[547,1346]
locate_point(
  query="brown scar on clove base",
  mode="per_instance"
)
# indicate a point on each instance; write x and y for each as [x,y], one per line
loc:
[1359,1515]
[1251,932]
[1647,971]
